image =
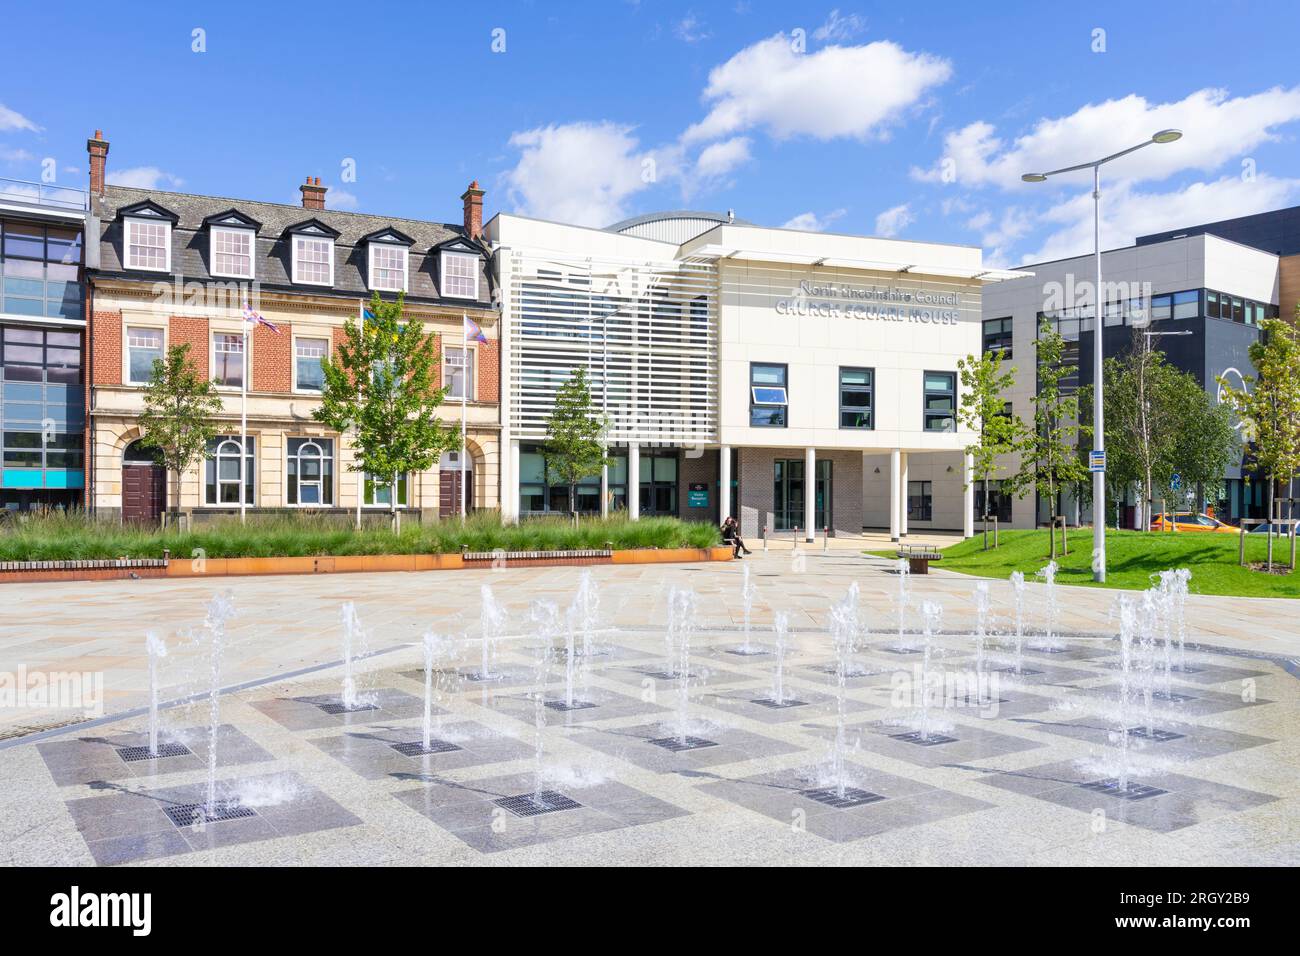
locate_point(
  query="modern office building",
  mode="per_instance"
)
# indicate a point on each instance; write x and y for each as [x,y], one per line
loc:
[174,268]
[42,345]
[797,380]
[1210,291]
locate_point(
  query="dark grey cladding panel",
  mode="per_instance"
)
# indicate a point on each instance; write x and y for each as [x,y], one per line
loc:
[190,248]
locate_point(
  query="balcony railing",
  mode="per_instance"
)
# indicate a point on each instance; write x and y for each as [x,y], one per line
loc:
[43,194]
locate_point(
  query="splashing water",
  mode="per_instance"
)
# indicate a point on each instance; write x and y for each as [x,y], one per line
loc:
[156,649]
[354,646]
[904,571]
[747,591]
[1127,627]
[547,618]
[1053,611]
[1018,593]
[1147,616]
[981,632]
[781,636]
[220,610]
[586,609]
[842,627]
[931,615]
[684,620]
[437,648]
[492,623]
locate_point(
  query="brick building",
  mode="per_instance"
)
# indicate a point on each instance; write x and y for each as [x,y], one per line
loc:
[172,268]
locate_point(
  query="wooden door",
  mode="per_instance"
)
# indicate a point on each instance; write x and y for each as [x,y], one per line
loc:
[449,492]
[144,493]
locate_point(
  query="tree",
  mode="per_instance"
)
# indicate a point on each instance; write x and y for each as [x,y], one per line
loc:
[574,448]
[1268,405]
[383,384]
[1049,452]
[179,405]
[984,410]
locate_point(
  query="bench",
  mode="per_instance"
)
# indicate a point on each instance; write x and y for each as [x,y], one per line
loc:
[919,557]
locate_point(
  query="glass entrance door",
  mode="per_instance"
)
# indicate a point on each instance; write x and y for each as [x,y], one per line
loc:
[789,489]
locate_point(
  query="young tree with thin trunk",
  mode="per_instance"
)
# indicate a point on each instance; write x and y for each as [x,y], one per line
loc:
[382,382]
[1049,452]
[575,444]
[1268,405]
[984,410]
[177,421]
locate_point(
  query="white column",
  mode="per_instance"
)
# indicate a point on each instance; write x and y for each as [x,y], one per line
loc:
[894,469]
[604,491]
[510,484]
[810,494]
[724,483]
[968,496]
[634,481]
[902,495]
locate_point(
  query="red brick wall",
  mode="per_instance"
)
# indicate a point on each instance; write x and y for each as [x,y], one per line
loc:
[272,359]
[106,338]
[194,332]
[488,386]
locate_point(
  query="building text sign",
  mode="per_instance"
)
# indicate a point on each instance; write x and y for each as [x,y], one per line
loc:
[836,300]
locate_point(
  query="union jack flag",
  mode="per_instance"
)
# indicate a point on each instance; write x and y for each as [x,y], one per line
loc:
[251,316]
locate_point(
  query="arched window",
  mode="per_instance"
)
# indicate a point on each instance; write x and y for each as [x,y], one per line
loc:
[221,484]
[137,453]
[311,471]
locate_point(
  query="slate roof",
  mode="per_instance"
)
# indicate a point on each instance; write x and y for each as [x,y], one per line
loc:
[190,245]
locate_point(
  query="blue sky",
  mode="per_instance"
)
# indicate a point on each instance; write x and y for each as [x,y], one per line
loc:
[912,120]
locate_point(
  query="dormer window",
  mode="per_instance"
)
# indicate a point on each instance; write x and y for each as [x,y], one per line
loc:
[460,275]
[313,260]
[148,244]
[232,252]
[388,265]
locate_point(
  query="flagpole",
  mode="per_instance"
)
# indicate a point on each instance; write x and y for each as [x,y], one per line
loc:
[243,425]
[464,393]
[361,475]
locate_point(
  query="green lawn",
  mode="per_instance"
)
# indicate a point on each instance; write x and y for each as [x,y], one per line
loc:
[57,537]
[1131,558]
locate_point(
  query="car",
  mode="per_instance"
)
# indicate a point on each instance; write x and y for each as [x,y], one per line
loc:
[1187,521]
[1277,527]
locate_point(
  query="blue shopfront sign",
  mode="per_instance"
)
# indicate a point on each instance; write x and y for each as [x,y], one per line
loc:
[697,495]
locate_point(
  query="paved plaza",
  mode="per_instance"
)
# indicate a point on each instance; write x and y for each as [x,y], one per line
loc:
[602,753]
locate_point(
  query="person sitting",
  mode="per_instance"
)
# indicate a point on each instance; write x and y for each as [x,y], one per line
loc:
[731,535]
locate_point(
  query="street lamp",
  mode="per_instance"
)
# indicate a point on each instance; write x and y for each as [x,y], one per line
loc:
[1098,424]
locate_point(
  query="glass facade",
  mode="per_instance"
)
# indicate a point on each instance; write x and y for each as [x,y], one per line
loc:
[789,489]
[40,266]
[42,410]
[542,491]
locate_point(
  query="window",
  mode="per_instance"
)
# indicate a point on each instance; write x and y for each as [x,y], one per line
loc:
[768,398]
[313,260]
[460,275]
[221,471]
[228,359]
[920,503]
[388,267]
[232,252]
[1161,307]
[857,387]
[999,501]
[458,372]
[940,401]
[148,245]
[311,471]
[40,266]
[540,492]
[143,347]
[997,336]
[380,495]
[1187,305]
[308,353]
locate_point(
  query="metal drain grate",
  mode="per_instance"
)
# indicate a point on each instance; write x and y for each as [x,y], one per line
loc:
[853,671]
[535,804]
[851,797]
[188,814]
[566,706]
[778,705]
[132,754]
[668,675]
[1111,787]
[1171,698]
[334,709]
[930,740]
[1157,735]
[416,748]
[678,744]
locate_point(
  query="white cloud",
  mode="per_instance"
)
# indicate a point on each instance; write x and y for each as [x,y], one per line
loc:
[894,220]
[338,198]
[718,159]
[581,173]
[811,222]
[1216,128]
[837,27]
[144,177]
[690,29]
[998,236]
[1128,213]
[10,155]
[791,94]
[11,119]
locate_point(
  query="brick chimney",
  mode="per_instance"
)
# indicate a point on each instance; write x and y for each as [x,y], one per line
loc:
[97,147]
[473,199]
[313,194]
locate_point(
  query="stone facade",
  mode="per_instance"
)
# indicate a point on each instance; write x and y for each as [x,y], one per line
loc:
[757,489]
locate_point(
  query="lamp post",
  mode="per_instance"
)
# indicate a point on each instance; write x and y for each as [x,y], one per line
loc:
[1099,321]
